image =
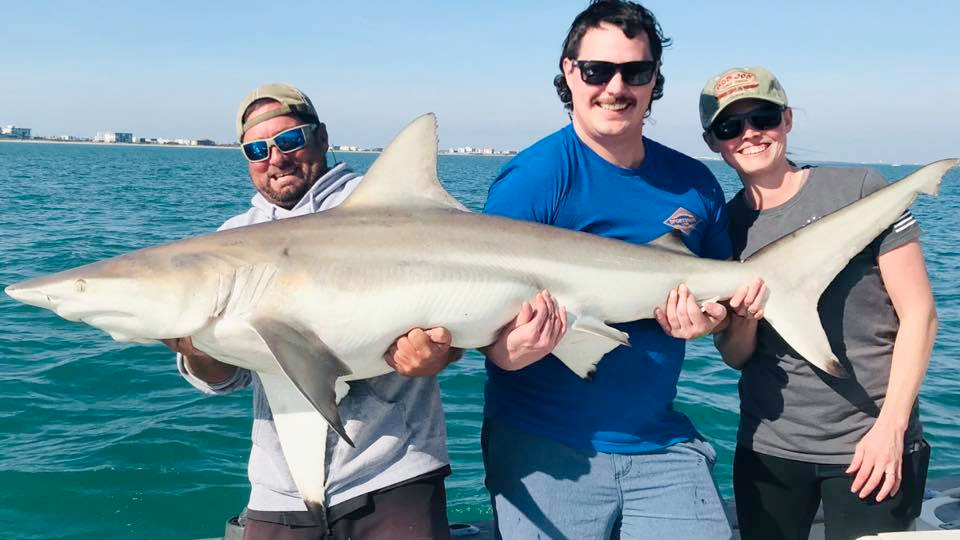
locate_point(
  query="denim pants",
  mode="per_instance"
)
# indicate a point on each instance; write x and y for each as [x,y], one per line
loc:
[540,488]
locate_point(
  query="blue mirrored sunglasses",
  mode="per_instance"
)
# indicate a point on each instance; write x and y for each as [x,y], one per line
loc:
[286,141]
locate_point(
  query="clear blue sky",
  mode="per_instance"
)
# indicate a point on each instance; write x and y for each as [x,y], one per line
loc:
[871,81]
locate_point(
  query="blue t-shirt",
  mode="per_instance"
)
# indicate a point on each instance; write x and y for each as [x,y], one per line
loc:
[628,406]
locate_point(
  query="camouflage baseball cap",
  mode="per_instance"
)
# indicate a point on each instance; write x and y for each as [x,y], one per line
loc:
[291,99]
[735,84]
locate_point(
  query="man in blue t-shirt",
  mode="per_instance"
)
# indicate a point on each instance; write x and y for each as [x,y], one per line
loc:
[572,458]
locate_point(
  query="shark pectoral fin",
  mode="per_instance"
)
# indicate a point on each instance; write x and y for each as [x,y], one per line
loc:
[672,241]
[310,364]
[795,317]
[585,343]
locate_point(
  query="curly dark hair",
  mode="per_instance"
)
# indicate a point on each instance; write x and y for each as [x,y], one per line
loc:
[630,17]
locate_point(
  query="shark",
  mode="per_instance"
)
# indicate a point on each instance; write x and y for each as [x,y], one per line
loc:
[312,303]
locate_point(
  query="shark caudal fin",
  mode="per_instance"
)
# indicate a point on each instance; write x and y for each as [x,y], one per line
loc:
[798,267]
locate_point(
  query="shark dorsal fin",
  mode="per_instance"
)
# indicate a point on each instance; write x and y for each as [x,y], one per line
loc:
[671,241]
[405,174]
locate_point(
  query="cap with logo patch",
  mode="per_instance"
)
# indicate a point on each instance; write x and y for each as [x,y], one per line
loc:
[291,99]
[735,84]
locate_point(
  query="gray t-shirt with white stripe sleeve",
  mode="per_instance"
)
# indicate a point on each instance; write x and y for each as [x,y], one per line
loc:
[789,409]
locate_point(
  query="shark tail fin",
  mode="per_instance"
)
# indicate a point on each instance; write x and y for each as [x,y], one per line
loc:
[933,174]
[800,266]
[794,289]
[793,314]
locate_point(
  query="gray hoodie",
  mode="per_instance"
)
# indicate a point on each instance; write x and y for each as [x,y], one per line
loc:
[396,422]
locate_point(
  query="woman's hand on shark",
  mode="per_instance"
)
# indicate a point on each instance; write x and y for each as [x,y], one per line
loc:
[748,301]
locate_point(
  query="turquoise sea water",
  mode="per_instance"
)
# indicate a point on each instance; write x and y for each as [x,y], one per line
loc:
[104,440]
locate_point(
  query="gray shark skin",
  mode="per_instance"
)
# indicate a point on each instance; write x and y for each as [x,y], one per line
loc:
[313,302]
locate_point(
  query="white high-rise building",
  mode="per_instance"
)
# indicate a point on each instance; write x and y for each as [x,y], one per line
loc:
[14,131]
[113,137]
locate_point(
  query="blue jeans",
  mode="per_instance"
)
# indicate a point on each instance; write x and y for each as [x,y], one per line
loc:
[540,488]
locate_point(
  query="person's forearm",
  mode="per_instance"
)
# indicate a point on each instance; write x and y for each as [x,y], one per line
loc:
[911,356]
[454,354]
[208,369]
[497,353]
[501,357]
[738,341]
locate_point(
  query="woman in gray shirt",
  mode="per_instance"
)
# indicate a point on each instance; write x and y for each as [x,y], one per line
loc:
[805,436]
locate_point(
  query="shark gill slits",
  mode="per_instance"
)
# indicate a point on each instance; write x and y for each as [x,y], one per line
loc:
[80,285]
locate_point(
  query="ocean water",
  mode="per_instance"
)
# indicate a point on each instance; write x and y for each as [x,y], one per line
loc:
[104,440]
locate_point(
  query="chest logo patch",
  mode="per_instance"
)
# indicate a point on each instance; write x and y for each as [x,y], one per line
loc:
[682,220]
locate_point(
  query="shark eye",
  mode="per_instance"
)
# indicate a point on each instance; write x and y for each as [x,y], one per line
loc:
[80,285]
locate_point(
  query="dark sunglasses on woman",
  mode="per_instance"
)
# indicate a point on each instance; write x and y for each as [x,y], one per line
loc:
[600,72]
[286,141]
[730,126]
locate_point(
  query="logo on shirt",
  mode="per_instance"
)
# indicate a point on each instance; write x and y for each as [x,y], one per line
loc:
[682,220]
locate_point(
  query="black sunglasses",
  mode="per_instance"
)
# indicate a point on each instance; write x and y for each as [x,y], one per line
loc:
[731,126]
[599,72]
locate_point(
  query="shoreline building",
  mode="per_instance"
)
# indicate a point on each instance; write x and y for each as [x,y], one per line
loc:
[113,137]
[15,132]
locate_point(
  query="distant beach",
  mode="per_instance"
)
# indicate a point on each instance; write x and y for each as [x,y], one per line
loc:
[129,145]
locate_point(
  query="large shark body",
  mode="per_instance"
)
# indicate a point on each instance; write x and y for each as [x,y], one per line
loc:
[313,302]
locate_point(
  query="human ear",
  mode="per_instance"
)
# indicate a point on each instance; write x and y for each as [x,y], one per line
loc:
[567,70]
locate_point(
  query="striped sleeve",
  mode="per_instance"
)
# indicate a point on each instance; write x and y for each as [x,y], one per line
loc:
[905,220]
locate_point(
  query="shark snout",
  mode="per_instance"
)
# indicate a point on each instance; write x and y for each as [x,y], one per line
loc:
[72,307]
[128,309]
[30,295]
